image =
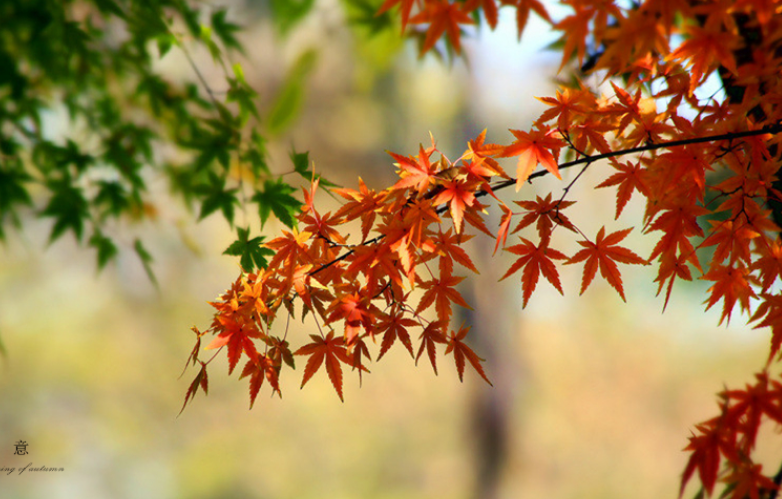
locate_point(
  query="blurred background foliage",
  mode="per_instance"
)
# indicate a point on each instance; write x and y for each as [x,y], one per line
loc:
[110,138]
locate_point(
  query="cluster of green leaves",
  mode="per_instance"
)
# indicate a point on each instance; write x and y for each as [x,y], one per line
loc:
[84,112]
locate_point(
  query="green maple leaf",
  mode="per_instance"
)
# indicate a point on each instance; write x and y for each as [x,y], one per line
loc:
[276,198]
[217,197]
[250,251]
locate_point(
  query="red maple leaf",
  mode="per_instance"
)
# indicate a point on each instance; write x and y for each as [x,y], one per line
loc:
[629,178]
[442,16]
[395,326]
[329,349]
[236,334]
[433,333]
[537,146]
[460,195]
[442,292]
[603,254]
[461,352]
[535,260]
[405,7]
[416,172]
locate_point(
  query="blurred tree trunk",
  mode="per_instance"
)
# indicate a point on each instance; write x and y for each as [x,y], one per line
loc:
[491,335]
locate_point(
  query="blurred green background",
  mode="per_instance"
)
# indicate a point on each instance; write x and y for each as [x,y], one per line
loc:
[592,397]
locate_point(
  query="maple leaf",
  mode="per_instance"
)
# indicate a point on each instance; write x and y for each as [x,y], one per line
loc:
[537,146]
[535,260]
[678,224]
[405,6]
[502,232]
[276,197]
[629,178]
[522,12]
[461,195]
[252,254]
[671,267]
[417,173]
[731,284]
[489,10]
[441,292]
[258,371]
[770,311]
[395,326]
[481,154]
[236,335]
[705,457]
[575,29]
[201,380]
[442,16]
[433,333]
[322,225]
[448,247]
[332,351]
[749,405]
[352,308]
[603,253]
[706,48]
[732,239]
[289,248]
[362,204]
[461,352]
[748,481]
[565,105]
[546,212]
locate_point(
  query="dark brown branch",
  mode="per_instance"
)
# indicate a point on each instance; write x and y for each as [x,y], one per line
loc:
[773,129]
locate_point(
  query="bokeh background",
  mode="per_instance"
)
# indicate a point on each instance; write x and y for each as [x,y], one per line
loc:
[592,397]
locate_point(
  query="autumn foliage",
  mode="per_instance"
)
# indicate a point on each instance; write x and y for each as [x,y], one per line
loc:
[382,271]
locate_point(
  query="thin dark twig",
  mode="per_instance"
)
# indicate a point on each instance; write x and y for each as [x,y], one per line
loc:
[773,129]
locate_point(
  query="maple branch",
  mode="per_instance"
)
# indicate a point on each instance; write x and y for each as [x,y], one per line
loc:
[586,160]
[772,129]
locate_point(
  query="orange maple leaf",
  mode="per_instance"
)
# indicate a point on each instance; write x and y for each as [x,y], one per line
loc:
[575,29]
[537,146]
[502,232]
[329,349]
[535,260]
[416,173]
[236,334]
[603,253]
[442,16]
[404,8]
[461,195]
[461,352]
[547,213]
[731,284]
[258,371]
[706,48]
[489,9]
[629,178]
[705,457]
[362,204]
[522,12]
[433,333]
[442,292]
[447,246]
[395,326]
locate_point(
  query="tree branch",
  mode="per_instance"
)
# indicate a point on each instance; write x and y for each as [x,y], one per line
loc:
[772,129]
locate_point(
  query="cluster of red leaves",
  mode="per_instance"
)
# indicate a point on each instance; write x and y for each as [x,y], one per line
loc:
[444,17]
[705,167]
